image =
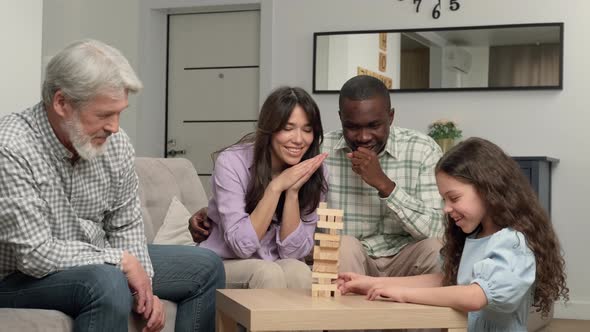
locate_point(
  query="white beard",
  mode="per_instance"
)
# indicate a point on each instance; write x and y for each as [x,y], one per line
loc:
[81,142]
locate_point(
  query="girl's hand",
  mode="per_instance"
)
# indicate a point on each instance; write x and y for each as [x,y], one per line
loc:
[395,294]
[294,177]
[350,282]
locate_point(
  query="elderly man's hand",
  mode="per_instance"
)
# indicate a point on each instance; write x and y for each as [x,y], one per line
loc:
[157,319]
[139,284]
[199,225]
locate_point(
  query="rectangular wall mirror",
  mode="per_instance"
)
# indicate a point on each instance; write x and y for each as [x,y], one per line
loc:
[499,57]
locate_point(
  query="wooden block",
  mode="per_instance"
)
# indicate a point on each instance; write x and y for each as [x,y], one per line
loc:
[330,287]
[323,250]
[330,212]
[330,224]
[323,205]
[327,237]
[324,281]
[338,219]
[326,256]
[329,244]
[320,249]
[320,293]
[334,231]
[325,267]
[330,254]
[336,293]
[324,275]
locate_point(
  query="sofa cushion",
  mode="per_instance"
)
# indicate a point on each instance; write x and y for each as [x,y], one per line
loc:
[174,230]
[160,179]
[32,320]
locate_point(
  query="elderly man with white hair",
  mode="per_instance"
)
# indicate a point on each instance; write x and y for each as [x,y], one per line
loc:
[72,236]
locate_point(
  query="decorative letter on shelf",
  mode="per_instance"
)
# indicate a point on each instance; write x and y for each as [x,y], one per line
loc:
[386,80]
[382,61]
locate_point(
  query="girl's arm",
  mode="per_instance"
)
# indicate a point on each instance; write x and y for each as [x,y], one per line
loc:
[290,180]
[424,280]
[291,210]
[261,217]
[465,298]
[241,233]
[350,282]
[291,216]
[295,237]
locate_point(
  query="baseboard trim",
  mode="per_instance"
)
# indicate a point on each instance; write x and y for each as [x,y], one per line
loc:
[572,310]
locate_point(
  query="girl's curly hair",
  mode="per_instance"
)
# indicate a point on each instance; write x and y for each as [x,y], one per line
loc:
[510,202]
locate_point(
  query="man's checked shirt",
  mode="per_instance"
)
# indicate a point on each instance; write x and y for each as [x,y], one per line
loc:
[411,213]
[55,215]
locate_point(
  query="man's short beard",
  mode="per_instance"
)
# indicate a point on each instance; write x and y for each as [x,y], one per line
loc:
[81,142]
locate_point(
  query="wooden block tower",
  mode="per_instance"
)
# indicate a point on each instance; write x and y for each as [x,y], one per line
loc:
[325,255]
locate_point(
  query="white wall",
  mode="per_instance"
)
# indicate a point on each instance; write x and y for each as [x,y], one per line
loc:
[363,50]
[524,123]
[112,21]
[338,60]
[394,59]
[20,59]
[436,66]
[476,77]
[480,63]
[345,53]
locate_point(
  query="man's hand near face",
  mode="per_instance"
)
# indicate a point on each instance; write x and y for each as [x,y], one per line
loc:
[366,164]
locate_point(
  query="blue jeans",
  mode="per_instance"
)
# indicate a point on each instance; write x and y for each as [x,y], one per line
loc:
[188,276]
[98,297]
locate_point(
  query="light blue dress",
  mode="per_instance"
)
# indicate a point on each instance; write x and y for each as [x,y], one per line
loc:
[504,267]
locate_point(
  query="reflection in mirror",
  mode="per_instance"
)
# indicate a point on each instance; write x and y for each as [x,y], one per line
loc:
[528,56]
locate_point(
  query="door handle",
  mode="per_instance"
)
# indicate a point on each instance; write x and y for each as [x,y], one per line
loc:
[172,153]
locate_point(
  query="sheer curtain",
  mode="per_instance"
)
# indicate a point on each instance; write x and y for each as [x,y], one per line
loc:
[524,65]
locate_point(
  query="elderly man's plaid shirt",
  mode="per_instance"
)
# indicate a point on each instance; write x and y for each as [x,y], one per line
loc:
[412,212]
[55,215]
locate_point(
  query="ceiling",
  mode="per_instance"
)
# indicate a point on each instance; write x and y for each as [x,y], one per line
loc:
[502,36]
[483,37]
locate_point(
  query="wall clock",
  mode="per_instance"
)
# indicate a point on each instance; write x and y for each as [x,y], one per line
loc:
[454,6]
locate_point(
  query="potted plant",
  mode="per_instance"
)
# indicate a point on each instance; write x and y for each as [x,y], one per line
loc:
[445,133]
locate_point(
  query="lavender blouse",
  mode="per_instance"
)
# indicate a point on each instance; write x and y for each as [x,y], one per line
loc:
[232,233]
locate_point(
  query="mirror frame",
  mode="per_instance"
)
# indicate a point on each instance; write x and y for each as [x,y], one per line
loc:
[560,25]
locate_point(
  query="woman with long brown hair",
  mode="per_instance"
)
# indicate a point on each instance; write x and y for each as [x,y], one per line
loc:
[500,254]
[265,190]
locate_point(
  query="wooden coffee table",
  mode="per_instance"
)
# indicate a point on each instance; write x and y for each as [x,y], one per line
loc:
[296,309]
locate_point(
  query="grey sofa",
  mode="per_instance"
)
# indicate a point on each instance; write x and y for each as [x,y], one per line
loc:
[159,180]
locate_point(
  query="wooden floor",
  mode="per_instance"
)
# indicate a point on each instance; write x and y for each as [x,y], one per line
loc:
[568,325]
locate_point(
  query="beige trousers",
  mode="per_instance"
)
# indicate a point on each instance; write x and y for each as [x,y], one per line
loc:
[416,258]
[258,273]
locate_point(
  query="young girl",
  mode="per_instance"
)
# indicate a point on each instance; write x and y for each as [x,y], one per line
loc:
[265,190]
[500,252]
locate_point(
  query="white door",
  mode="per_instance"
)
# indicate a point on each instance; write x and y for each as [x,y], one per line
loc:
[213,61]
